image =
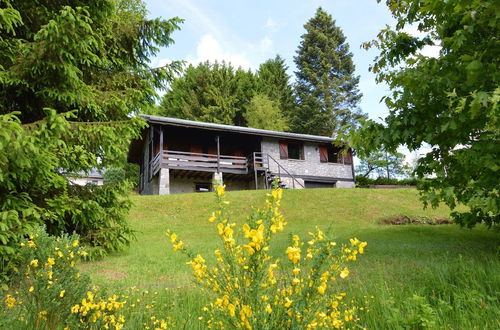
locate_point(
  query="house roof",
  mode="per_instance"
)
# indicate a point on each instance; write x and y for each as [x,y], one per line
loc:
[236,129]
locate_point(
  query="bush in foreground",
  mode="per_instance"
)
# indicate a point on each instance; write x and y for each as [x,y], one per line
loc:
[251,289]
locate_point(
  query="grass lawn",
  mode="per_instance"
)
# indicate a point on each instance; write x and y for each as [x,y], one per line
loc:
[419,275]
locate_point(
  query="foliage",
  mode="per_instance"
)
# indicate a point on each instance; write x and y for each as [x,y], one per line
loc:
[415,220]
[263,113]
[383,163]
[362,181]
[449,102]
[326,87]
[71,79]
[211,92]
[125,171]
[274,81]
[218,93]
[254,291]
[114,175]
[47,284]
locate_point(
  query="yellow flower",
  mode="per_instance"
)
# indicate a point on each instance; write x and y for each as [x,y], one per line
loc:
[43,315]
[173,238]
[295,281]
[178,246]
[212,217]
[31,289]
[51,261]
[61,294]
[31,244]
[10,301]
[288,302]
[344,273]
[354,241]
[220,190]
[34,263]
[231,309]
[293,254]
[75,243]
[322,288]
[59,254]
[269,310]
[362,247]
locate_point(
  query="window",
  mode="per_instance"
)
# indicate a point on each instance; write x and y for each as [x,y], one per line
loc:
[291,150]
[328,154]
[202,187]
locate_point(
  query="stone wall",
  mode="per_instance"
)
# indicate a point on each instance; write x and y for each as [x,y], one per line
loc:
[309,166]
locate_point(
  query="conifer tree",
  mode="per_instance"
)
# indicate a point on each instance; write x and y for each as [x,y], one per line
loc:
[274,81]
[326,88]
[72,76]
[210,92]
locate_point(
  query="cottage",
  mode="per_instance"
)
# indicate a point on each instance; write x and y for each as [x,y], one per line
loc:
[181,156]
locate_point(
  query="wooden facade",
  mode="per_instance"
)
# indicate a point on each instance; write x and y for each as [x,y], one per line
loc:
[181,156]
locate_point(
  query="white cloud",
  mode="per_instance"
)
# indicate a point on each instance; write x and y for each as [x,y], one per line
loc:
[210,49]
[271,24]
[265,44]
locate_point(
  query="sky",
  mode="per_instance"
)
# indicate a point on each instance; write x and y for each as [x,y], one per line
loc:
[247,33]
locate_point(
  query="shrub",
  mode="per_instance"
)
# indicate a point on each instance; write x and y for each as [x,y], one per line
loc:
[47,284]
[364,181]
[50,293]
[251,289]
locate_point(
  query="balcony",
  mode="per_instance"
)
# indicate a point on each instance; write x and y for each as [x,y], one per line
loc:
[192,161]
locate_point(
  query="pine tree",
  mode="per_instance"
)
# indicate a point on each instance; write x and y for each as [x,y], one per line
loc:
[274,81]
[326,87]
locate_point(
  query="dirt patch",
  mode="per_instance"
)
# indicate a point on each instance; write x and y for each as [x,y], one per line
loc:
[111,273]
[415,220]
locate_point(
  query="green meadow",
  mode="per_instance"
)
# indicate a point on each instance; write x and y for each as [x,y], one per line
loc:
[410,277]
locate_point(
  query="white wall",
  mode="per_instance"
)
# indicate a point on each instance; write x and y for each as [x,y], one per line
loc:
[85,181]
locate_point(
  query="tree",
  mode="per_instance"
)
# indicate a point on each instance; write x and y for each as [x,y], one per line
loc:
[71,79]
[211,92]
[326,87]
[383,163]
[449,102]
[264,113]
[274,81]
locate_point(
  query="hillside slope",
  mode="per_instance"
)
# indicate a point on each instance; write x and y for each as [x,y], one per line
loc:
[418,275]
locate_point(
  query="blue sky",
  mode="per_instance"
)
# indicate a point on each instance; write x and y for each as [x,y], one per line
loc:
[246,33]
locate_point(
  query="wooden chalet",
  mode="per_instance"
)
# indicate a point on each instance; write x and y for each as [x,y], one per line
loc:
[181,156]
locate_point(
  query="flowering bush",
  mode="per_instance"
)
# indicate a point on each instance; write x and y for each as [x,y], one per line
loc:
[251,289]
[51,293]
[48,282]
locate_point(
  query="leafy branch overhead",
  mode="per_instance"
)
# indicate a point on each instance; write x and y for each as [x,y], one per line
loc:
[449,102]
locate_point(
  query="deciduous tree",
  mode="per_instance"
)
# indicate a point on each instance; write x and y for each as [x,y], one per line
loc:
[449,101]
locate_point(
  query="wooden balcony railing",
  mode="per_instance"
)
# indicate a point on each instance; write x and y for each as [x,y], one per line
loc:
[200,162]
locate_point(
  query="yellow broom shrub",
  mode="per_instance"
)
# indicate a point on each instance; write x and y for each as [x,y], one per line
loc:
[250,289]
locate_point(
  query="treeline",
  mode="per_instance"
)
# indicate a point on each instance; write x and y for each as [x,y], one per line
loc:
[323,100]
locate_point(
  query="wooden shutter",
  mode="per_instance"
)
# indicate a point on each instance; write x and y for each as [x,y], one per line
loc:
[348,157]
[283,150]
[323,154]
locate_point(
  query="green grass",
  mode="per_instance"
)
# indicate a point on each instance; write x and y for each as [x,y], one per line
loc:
[420,275]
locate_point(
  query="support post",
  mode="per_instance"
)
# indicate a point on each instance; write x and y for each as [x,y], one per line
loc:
[218,153]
